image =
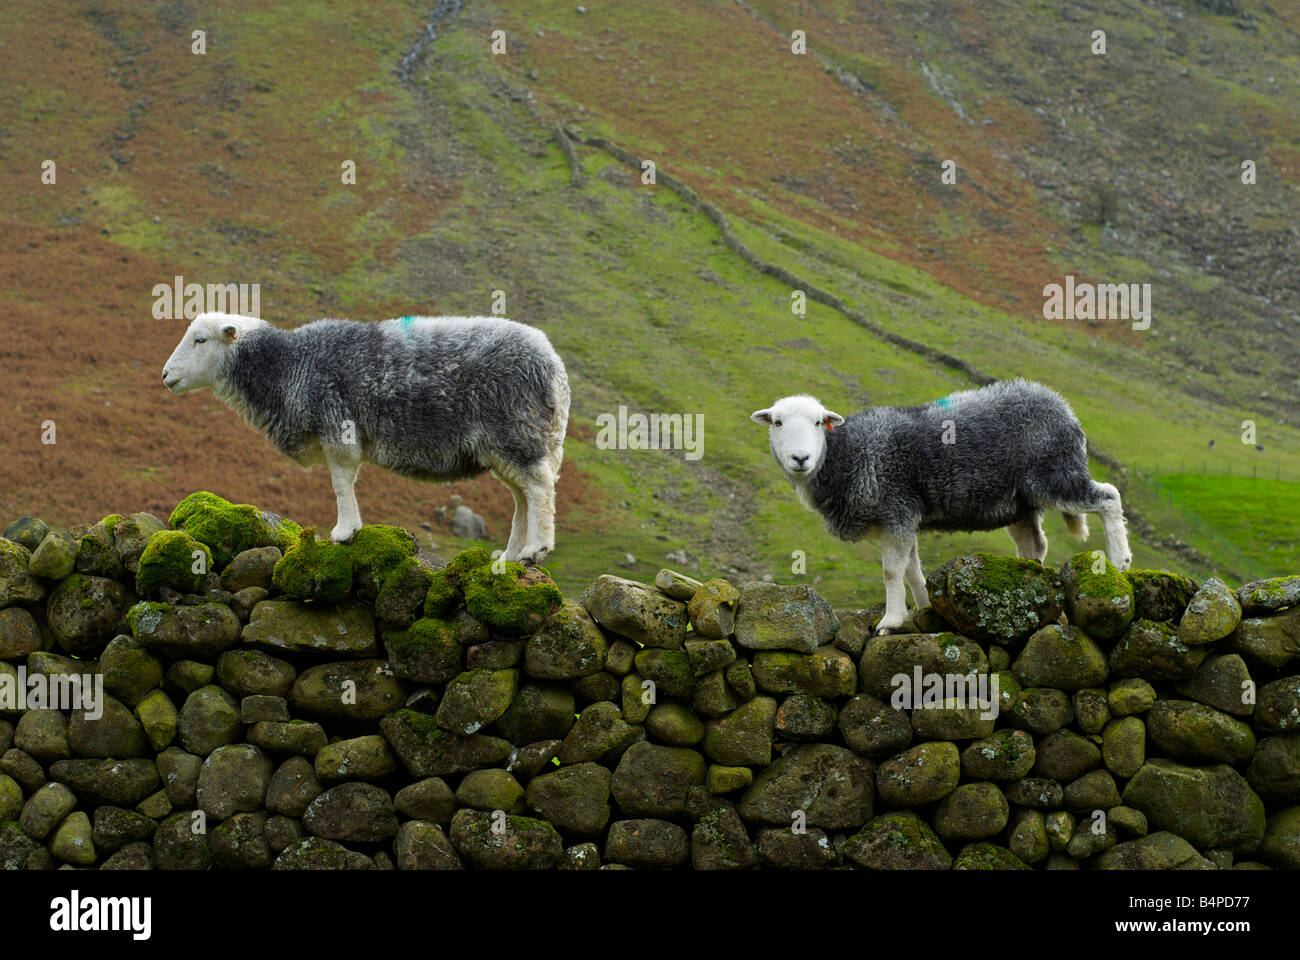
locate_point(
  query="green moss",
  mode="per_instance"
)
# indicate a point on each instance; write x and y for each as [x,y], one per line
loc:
[315,570]
[231,528]
[145,616]
[445,584]
[378,550]
[168,561]
[112,520]
[514,602]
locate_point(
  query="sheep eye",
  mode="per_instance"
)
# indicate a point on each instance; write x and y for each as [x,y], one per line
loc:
[776,423]
[200,339]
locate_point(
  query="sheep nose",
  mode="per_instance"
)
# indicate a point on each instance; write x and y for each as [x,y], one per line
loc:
[164,376]
[799,459]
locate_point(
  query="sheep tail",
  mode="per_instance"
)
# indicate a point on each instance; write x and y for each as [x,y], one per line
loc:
[1076,524]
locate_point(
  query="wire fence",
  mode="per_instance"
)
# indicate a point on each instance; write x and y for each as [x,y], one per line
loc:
[1222,468]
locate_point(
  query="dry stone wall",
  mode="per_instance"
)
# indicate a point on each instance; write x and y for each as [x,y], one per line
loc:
[226,691]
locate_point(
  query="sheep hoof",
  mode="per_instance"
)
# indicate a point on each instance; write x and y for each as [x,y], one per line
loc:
[342,534]
[533,558]
[884,631]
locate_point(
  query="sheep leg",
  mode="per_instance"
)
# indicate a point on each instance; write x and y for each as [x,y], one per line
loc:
[916,578]
[519,522]
[540,494]
[895,555]
[344,467]
[1031,541]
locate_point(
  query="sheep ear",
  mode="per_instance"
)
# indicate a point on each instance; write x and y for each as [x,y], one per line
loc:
[762,416]
[229,332]
[833,419]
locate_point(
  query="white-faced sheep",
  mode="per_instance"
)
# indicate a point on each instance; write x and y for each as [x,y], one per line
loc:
[434,398]
[979,459]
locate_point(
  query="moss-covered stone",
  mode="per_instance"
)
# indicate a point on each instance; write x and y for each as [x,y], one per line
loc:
[1210,806]
[1256,597]
[129,670]
[524,843]
[675,724]
[252,568]
[567,644]
[159,718]
[315,570]
[712,609]
[994,598]
[83,613]
[513,602]
[805,718]
[426,750]
[202,631]
[772,616]
[987,856]
[670,670]
[873,728]
[17,583]
[1061,657]
[1211,615]
[1004,755]
[635,611]
[832,786]
[377,550]
[826,672]
[475,698]
[1098,597]
[1278,709]
[654,781]
[1185,730]
[97,552]
[172,559]
[1221,682]
[923,774]
[446,585]
[574,798]
[601,734]
[252,673]
[1123,746]
[1159,595]
[889,656]
[493,789]
[55,557]
[743,737]
[360,758]
[352,812]
[27,531]
[1153,651]
[401,599]
[973,811]
[231,528]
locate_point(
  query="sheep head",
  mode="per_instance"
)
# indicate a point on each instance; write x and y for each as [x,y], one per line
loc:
[797,428]
[198,358]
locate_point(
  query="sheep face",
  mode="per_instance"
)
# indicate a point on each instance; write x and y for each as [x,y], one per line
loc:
[797,433]
[197,359]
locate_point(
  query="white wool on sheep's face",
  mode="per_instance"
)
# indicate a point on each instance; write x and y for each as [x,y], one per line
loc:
[433,398]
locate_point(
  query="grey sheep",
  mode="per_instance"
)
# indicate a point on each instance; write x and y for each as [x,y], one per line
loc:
[433,398]
[979,459]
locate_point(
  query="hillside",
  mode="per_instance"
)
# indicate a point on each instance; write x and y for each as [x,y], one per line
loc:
[225,167]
